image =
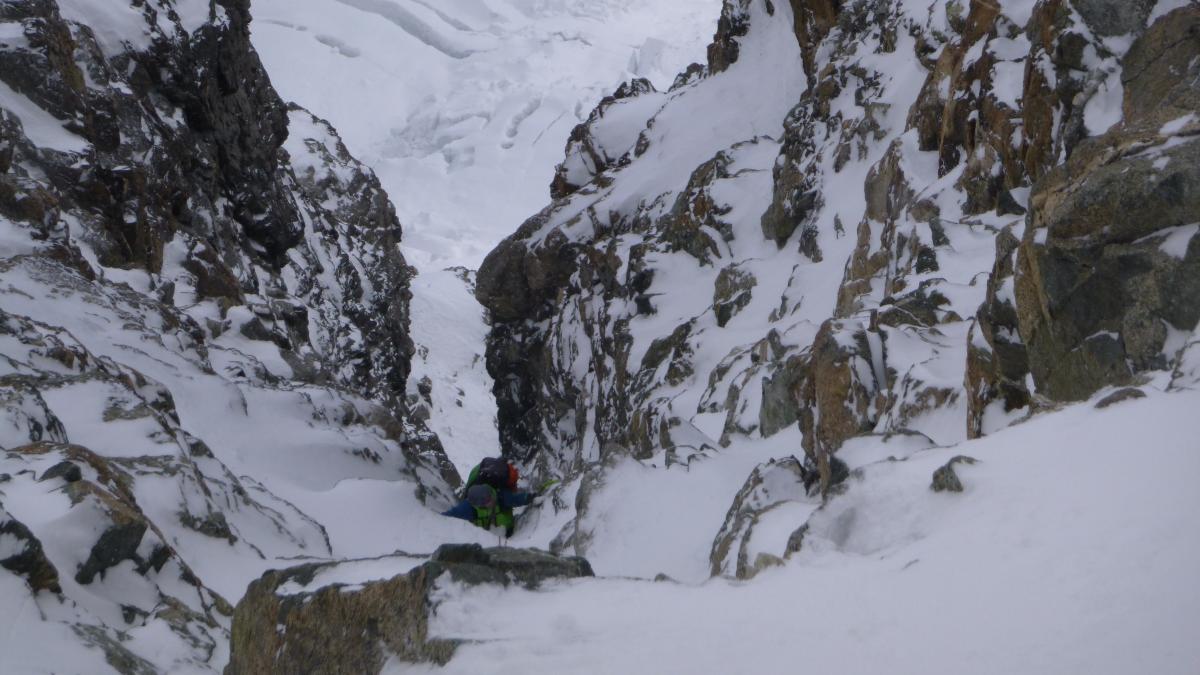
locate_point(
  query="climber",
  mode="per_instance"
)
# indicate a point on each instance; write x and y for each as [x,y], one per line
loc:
[490,496]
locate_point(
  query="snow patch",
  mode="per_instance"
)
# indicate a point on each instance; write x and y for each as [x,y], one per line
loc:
[1176,125]
[1104,109]
[1176,240]
[43,129]
[1165,7]
[11,545]
[117,25]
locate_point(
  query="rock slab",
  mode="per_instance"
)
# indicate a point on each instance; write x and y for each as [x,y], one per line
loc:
[343,628]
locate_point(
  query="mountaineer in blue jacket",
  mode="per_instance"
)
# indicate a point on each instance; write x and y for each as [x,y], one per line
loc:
[491,495]
[488,507]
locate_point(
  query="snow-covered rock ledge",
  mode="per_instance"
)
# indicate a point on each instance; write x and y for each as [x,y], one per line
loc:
[350,617]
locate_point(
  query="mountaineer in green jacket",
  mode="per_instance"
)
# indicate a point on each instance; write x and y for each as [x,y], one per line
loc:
[491,495]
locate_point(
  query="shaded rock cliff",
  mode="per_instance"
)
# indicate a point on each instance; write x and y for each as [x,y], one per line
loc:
[196,275]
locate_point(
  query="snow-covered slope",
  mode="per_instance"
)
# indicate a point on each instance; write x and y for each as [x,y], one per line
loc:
[206,326]
[1060,556]
[463,108]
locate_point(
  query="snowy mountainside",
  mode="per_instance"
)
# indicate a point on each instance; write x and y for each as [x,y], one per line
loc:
[841,356]
[874,338]
[463,109]
[902,235]
[520,279]
[204,318]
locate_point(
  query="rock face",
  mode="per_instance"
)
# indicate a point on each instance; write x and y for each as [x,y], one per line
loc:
[1088,305]
[997,361]
[733,24]
[772,487]
[608,138]
[1005,193]
[282,625]
[1111,264]
[179,247]
[186,164]
[600,266]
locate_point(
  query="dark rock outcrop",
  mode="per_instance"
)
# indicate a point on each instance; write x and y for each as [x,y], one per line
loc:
[1120,396]
[1114,17]
[946,480]
[1110,262]
[733,24]
[731,293]
[283,626]
[182,142]
[839,391]
[29,561]
[813,20]
[997,362]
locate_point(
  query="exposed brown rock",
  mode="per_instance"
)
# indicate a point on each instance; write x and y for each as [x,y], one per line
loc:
[813,21]
[732,292]
[340,629]
[733,24]
[836,402]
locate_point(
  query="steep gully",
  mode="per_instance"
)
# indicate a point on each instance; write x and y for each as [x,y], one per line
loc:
[226,272]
